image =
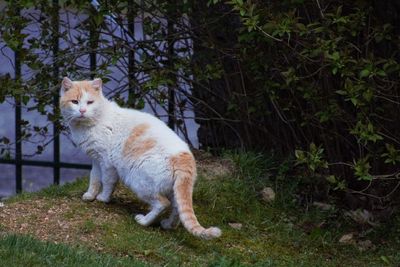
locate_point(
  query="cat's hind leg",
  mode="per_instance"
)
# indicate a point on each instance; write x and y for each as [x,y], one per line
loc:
[94,183]
[158,205]
[173,220]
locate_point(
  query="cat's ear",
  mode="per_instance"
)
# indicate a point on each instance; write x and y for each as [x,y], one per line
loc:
[66,84]
[97,84]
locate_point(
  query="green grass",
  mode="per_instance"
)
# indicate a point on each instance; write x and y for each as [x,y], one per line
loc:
[276,234]
[26,251]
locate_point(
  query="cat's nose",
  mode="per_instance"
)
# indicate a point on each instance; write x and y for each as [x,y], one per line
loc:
[82,110]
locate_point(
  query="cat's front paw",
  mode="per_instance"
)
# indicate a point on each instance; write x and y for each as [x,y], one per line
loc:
[103,198]
[141,219]
[88,196]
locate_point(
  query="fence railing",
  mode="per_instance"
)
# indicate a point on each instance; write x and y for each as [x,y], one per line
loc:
[56,164]
[88,32]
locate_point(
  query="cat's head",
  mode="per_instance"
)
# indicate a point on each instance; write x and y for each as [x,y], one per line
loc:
[81,100]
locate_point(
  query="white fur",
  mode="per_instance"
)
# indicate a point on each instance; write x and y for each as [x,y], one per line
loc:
[103,141]
[102,132]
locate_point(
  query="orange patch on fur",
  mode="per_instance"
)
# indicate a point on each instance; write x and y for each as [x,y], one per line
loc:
[184,192]
[135,146]
[164,200]
[136,133]
[184,167]
[184,162]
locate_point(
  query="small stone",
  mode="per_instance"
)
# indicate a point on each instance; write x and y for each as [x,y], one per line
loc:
[361,217]
[268,194]
[236,226]
[322,206]
[365,245]
[1,204]
[346,239]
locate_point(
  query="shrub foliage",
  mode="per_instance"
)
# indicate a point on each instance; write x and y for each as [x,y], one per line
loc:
[317,78]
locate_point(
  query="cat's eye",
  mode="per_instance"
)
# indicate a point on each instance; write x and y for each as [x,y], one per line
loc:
[90,102]
[74,102]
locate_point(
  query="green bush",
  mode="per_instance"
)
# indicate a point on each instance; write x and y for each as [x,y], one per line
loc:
[319,79]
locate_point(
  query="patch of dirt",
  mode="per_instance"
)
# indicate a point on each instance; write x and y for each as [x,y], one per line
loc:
[73,221]
[211,166]
[64,220]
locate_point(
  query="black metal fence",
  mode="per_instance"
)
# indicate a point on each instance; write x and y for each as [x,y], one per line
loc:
[110,42]
[18,160]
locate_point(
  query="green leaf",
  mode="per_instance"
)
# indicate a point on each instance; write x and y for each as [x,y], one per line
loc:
[341,185]
[385,259]
[341,92]
[299,154]
[331,179]
[313,147]
[354,101]
[301,26]
[25,99]
[381,73]
[364,73]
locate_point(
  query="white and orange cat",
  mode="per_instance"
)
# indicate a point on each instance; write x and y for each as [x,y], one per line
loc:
[136,148]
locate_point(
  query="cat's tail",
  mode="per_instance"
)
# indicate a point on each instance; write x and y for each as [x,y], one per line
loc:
[185,173]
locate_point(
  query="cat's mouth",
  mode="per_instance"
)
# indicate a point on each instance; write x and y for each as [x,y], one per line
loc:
[81,117]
